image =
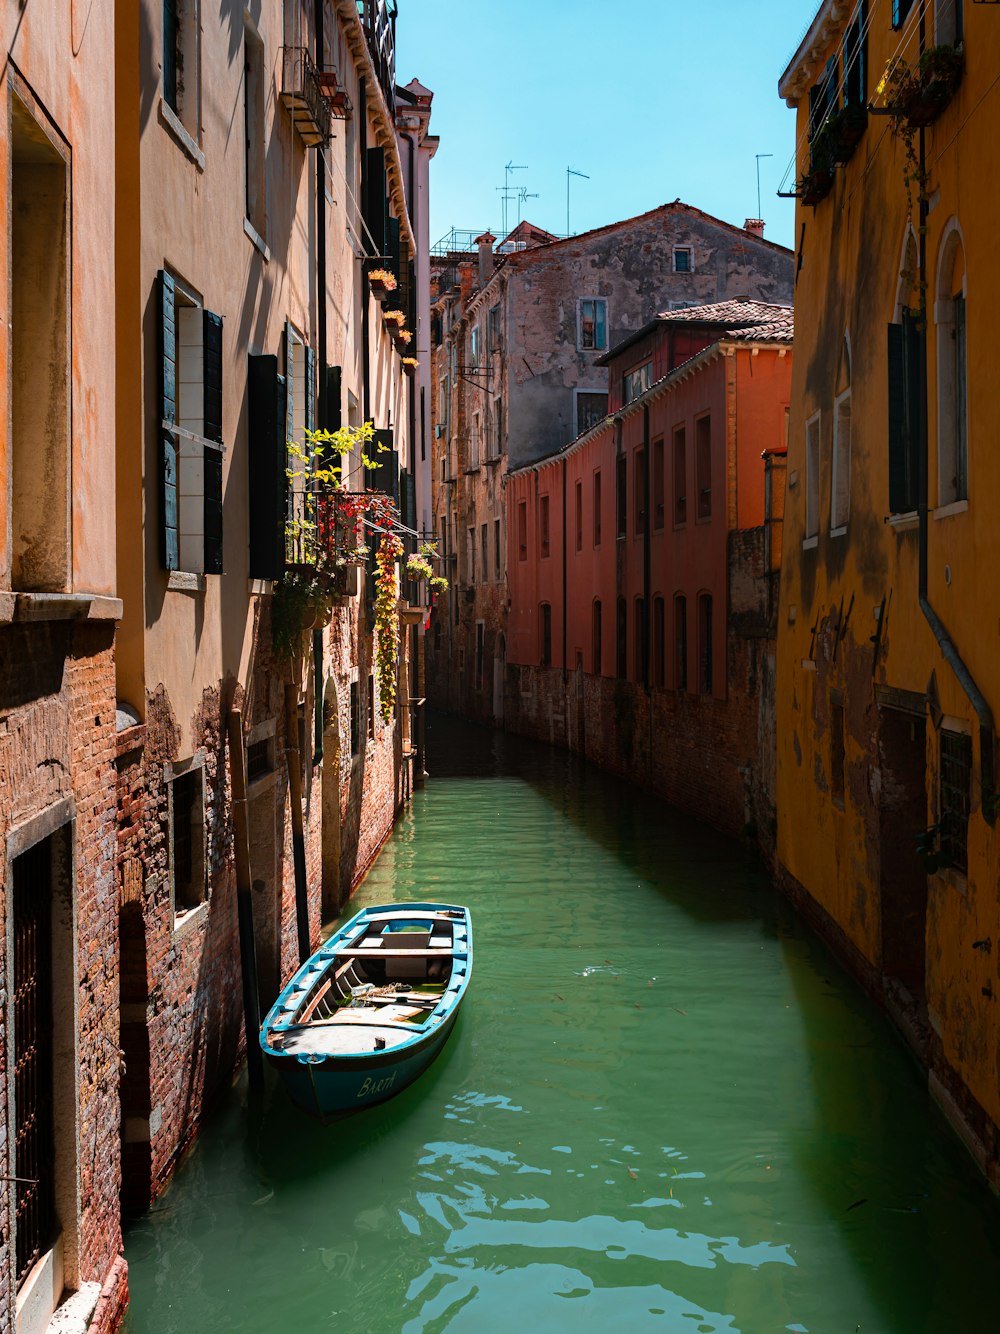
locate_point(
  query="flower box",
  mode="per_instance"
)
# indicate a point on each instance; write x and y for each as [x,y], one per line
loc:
[919,96]
[409,365]
[382,283]
[815,185]
[844,131]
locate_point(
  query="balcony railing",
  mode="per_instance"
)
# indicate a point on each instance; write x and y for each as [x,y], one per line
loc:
[303,95]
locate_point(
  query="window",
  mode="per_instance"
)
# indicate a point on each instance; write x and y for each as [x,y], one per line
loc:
[658,505]
[621,496]
[706,665]
[659,644]
[621,639]
[190,405]
[590,409]
[493,330]
[355,719]
[856,57]
[38,324]
[683,259]
[371,708]
[812,480]
[592,324]
[637,382]
[181,62]
[837,755]
[522,530]
[703,465]
[496,547]
[543,526]
[823,97]
[905,371]
[900,10]
[597,508]
[253,128]
[949,22]
[471,553]
[596,636]
[484,550]
[545,617]
[579,516]
[639,484]
[496,434]
[639,630]
[474,346]
[445,400]
[680,643]
[840,483]
[680,475]
[474,434]
[480,652]
[950,319]
[186,801]
[955,792]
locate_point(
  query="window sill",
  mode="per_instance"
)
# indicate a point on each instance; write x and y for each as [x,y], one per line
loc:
[264,783]
[258,240]
[948,511]
[59,607]
[181,581]
[186,920]
[492,462]
[903,523]
[260,587]
[172,122]
[839,532]
[810,543]
[468,472]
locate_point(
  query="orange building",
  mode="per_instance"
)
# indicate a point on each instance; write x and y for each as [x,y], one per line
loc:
[887,662]
[640,564]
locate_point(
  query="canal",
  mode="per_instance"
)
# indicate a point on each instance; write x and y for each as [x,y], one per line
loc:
[664,1108]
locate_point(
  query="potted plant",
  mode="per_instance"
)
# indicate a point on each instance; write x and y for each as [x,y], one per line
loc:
[393,319]
[917,95]
[402,339]
[816,182]
[845,129]
[382,282]
[409,365]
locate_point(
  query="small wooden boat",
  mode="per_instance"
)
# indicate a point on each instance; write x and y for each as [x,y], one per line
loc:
[369,1011]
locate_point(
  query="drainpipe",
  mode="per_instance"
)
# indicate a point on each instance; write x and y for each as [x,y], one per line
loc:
[945,642]
[565,608]
[321,359]
[366,399]
[646,548]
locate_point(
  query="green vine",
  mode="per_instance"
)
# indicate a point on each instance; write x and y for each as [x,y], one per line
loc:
[390,549]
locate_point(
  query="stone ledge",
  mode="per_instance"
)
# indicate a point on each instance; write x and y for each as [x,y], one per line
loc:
[65,607]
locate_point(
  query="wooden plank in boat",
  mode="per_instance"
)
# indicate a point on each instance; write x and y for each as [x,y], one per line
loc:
[353,952]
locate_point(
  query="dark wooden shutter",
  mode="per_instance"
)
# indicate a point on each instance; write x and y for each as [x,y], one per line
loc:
[167,410]
[331,418]
[212,360]
[310,405]
[904,370]
[408,487]
[392,243]
[385,475]
[268,478]
[375,202]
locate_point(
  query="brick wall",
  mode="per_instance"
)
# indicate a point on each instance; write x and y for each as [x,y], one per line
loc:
[57,736]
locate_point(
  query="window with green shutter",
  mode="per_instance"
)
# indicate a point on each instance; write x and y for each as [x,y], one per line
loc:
[266,456]
[190,430]
[905,367]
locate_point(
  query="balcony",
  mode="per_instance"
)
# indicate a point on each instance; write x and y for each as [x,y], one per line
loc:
[302,93]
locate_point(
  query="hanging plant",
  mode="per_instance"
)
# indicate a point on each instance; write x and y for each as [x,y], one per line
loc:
[390,549]
[439,584]
[419,567]
[397,317]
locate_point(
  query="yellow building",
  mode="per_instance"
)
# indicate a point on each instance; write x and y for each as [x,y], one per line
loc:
[887,650]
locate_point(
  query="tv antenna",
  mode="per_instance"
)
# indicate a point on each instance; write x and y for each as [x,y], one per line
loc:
[506,191]
[758,156]
[570,171]
[522,195]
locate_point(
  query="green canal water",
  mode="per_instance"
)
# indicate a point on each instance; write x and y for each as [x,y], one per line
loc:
[663,1108]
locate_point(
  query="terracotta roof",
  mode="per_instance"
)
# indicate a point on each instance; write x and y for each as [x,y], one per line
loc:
[748,320]
[741,318]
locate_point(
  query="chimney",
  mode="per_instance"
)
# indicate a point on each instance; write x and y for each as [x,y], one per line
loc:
[485,244]
[466,281]
[755,226]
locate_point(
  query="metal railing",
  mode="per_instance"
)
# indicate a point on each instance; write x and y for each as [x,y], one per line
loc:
[303,96]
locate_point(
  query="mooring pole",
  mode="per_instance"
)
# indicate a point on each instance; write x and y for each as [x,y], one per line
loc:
[298,833]
[244,900]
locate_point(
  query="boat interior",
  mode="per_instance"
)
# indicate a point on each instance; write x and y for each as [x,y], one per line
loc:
[375,988]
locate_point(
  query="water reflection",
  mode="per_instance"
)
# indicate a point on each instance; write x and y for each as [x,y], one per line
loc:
[663,1108]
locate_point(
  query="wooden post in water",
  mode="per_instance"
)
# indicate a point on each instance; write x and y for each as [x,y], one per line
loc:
[294,762]
[244,900]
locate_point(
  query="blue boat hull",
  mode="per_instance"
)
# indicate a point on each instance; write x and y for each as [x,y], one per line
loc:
[331,1083]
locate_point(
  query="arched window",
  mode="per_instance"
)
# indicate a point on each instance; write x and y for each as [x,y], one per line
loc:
[621,639]
[598,630]
[840,478]
[952,395]
[545,618]
[905,363]
[659,678]
[680,642]
[639,630]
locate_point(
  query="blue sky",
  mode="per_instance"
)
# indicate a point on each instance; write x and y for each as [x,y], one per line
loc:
[653,99]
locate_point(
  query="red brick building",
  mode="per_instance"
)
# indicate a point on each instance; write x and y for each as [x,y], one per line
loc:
[642,564]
